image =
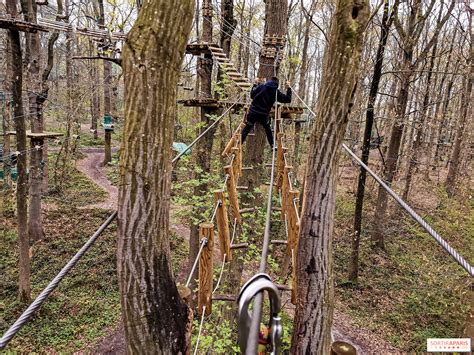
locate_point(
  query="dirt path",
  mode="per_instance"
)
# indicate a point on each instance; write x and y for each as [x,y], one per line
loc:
[91,166]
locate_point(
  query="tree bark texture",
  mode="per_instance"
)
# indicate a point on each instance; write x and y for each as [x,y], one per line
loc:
[156,320]
[315,295]
[15,84]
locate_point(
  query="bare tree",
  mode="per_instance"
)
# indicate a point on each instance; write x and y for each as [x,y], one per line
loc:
[387,19]
[314,309]
[409,37]
[156,320]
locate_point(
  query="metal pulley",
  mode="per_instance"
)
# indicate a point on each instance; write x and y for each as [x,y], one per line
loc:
[259,283]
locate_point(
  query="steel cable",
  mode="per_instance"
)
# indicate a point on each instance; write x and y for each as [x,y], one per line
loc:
[37,303]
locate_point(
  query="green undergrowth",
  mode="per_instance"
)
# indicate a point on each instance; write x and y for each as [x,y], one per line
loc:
[413,290]
[85,304]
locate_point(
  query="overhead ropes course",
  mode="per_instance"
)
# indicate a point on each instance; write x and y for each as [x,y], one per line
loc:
[227,204]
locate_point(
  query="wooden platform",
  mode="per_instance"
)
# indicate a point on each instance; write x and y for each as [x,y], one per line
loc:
[199,48]
[287,110]
[44,134]
[12,24]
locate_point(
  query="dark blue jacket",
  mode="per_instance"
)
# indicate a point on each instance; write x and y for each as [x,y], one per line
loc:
[263,97]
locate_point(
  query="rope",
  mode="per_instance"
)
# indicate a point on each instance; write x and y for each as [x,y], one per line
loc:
[444,244]
[37,303]
[203,243]
[223,259]
[200,330]
[218,203]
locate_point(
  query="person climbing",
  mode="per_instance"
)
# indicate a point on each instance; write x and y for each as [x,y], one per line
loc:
[263,97]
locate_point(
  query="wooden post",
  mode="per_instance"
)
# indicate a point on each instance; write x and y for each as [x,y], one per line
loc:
[280,163]
[284,192]
[223,226]
[229,146]
[292,214]
[236,135]
[236,163]
[206,230]
[232,191]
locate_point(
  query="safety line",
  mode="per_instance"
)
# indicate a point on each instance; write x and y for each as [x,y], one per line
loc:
[224,259]
[203,243]
[37,303]
[200,330]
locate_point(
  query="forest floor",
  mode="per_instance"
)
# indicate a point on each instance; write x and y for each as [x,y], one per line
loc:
[405,294]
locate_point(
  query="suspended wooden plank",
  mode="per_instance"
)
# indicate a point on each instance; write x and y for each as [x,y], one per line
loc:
[293,278]
[223,226]
[232,191]
[293,196]
[236,163]
[206,230]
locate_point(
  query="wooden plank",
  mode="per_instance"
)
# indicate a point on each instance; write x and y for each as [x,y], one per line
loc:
[292,220]
[239,246]
[293,278]
[22,26]
[236,163]
[232,191]
[223,226]
[206,230]
[229,146]
[43,134]
[279,160]
[284,192]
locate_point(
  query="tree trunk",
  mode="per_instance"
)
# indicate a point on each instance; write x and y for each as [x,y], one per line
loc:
[374,87]
[314,309]
[35,104]
[156,320]
[15,83]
